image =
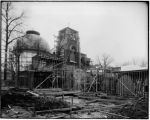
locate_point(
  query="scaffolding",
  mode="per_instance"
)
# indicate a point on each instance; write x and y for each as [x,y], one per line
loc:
[122,83]
[37,68]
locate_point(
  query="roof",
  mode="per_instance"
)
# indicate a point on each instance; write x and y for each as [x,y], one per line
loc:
[32,41]
[32,32]
[132,68]
[47,56]
[67,28]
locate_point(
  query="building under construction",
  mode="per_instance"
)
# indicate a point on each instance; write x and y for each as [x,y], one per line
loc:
[66,67]
[38,67]
[46,79]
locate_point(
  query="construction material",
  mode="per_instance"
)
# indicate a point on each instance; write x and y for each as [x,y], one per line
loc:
[127,88]
[105,100]
[35,94]
[16,112]
[50,76]
[29,100]
[109,106]
[94,80]
[101,111]
[56,92]
[114,114]
[59,116]
[59,110]
[138,109]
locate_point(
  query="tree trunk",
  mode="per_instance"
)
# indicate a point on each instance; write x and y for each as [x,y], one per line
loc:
[5,65]
[18,69]
[6,46]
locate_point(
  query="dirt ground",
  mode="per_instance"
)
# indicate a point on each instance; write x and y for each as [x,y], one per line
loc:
[87,105]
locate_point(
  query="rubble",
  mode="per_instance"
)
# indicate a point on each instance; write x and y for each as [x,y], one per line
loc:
[23,104]
[60,110]
[16,112]
[46,103]
[137,109]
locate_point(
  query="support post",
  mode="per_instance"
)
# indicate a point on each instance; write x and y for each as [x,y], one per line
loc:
[72,100]
[96,80]
[17,71]
[84,86]
[62,96]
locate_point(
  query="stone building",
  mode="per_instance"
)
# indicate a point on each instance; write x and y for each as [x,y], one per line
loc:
[35,61]
[68,48]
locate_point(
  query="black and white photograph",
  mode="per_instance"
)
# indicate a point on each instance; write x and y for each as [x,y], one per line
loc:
[74,59]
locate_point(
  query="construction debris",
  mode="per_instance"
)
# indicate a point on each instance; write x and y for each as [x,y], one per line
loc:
[47,103]
[17,104]
[28,104]
[138,109]
[74,108]
[24,103]
[16,112]
[35,94]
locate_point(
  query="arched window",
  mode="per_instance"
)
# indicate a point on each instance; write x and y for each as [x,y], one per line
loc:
[73,48]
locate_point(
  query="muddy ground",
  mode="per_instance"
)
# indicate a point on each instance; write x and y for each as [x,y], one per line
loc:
[87,105]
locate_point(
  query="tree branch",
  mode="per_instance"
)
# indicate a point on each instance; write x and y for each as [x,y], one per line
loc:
[15,19]
[107,60]
[14,39]
[99,62]
[18,31]
[13,29]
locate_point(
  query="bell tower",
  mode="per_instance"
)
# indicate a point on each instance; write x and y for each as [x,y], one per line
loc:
[69,45]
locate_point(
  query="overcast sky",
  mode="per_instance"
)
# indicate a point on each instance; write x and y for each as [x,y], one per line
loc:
[116,28]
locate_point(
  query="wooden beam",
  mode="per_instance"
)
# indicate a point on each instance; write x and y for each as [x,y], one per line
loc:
[59,110]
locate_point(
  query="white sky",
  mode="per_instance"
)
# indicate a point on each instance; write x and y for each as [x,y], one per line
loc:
[116,28]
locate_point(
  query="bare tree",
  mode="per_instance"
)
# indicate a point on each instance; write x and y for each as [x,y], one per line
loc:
[126,63]
[11,29]
[105,61]
[134,61]
[144,63]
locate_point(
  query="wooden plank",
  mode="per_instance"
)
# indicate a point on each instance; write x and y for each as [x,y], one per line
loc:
[65,93]
[59,116]
[32,93]
[59,110]
[105,100]
[114,114]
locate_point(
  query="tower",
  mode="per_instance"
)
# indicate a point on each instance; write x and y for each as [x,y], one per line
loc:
[68,46]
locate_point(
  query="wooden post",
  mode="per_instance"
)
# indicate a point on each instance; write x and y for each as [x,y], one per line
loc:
[62,96]
[71,100]
[61,77]
[84,86]
[34,112]
[18,69]
[96,80]
[57,77]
